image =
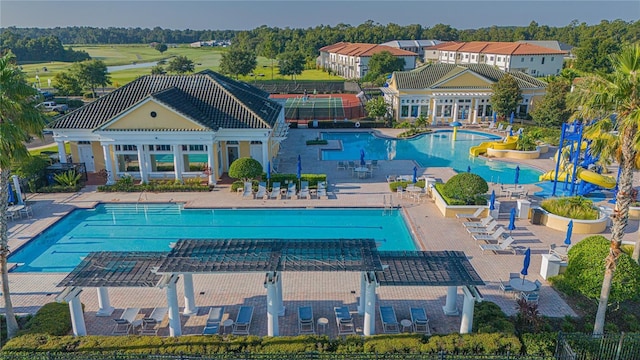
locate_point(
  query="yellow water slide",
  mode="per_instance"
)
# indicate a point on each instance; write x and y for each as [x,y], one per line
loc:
[509,143]
[607,182]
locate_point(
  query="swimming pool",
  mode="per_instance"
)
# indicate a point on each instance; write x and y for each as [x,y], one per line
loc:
[131,227]
[436,149]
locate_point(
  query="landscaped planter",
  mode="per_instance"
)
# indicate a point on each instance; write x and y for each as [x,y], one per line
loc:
[560,223]
[634,213]
[450,211]
[516,154]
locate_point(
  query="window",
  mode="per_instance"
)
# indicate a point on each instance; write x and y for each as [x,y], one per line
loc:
[84,142]
[414,110]
[531,60]
[490,58]
[499,58]
[126,148]
[552,58]
[160,147]
[521,59]
[404,111]
[193,148]
[466,56]
[543,60]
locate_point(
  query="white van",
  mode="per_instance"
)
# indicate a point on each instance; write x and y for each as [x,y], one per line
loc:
[52,106]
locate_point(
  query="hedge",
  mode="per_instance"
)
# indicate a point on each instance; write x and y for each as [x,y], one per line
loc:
[52,319]
[127,185]
[394,185]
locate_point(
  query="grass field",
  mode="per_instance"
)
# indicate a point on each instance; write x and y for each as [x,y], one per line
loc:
[113,55]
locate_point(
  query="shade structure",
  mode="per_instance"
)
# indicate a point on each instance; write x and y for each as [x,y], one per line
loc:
[468,168]
[11,199]
[525,266]
[512,220]
[415,175]
[511,118]
[299,168]
[362,157]
[567,239]
[517,176]
[492,200]
[455,123]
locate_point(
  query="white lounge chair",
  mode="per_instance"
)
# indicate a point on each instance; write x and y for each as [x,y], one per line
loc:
[500,128]
[344,321]
[495,237]
[469,217]
[247,193]
[322,190]
[243,321]
[214,319]
[420,320]
[262,190]
[304,190]
[504,246]
[481,223]
[292,191]
[389,320]
[305,320]
[491,126]
[127,322]
[489,229]
[275,191]
[507,129]
[151,324]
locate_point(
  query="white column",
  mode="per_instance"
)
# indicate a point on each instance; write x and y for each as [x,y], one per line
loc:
[177,161]
[189,297]
[434,112]
[363,293]
[62,152]
[174,311]
[450,308]
[466,324]
[281,309]
[370,308]
[272,307]
[142,162]
[104,305]
[474,101]
[16,187]
[211,162]
[108,164]
[454,111]
[265,153]
[77,317]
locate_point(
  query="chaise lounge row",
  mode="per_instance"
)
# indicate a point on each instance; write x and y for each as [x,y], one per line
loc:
[291,192]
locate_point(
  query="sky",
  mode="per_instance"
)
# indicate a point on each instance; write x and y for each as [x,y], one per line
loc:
[245,15]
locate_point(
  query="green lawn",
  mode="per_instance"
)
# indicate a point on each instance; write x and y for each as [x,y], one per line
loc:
[204,58]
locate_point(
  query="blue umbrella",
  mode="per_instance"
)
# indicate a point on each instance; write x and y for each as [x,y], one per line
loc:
[415,175]
[468,168]
[362,157]
[511,118]
[299,173]
[510,132]
[525,266]
[517,176]
[512,220]
[12,197]
[492,200]
[268,172]
[495,116]
[567,240]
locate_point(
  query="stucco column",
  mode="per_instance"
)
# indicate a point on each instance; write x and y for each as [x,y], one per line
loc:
[450,308]
[474,114]
[434,112]
[272,307]
[62,152]
[211,163]
[175,328]
[363,292]
[177,161]
[189,297]
[142,163]
[370,307]
[77,317]
[466,324]
[108,164]
[104,305]
[454,111]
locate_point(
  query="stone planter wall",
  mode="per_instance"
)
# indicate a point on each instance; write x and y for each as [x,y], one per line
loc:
[560,223]
[515,154]
[450,211]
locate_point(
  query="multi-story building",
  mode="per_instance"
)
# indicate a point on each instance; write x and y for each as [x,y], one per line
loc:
[351,60]
[507,56]
[416,46]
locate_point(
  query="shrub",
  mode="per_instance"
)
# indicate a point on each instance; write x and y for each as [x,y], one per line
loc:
[489,318]
[401,343]
[68,178]
[245,169]
[543,344]
[574,207]
[126,184]
[526,143]
[440,189]
[51,319]
[59,189]
[393,186]
[465,187]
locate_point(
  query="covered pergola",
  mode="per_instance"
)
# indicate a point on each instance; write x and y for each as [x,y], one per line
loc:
[272,256]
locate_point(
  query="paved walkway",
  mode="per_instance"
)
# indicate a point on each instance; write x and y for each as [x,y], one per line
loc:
[322,290]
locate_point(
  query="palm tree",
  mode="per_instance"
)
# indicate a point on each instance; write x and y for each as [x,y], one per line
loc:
[601,96]
[18,120]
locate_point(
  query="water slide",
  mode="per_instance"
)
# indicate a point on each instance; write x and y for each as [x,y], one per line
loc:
[509,143]
[588,176]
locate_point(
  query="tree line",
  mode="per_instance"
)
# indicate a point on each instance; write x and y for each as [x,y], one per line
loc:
[44,48]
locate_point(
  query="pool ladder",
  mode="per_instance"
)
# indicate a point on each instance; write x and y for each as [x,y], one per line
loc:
[387,205]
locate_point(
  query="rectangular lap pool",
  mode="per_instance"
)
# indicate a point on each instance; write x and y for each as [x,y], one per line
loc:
[131,227]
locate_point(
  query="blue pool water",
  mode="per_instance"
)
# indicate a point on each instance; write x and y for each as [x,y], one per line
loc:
[430,150]
[130,227]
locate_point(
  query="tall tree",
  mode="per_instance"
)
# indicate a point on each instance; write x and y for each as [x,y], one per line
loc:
[19,119]
[237,62]
[291,63]
[506,95]
[161,47]
[552,111]
[91,74]
[602,96]
[384,63]
[66,84]
[180,65]
[270,50]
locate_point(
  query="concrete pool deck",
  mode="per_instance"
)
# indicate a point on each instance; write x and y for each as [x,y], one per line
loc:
[321,290]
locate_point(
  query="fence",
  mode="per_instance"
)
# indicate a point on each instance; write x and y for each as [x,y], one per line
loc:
[299,87]
[623,346]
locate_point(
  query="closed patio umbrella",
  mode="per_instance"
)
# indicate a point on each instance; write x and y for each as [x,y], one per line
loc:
[299,169]
[362,162]
[567,239]
[511,118]
[492,200]
[512,221]
[268,172]
[517,176]
[495,116]
[525,266]
[12,198]
[415,175]
[468,168]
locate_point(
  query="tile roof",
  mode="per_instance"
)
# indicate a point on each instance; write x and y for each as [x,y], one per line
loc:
[431,75]
[211,99]
[407,43]
[494,47]
[363,50]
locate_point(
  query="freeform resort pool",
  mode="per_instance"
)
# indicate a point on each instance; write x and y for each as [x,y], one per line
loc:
[153,227]
[437,149]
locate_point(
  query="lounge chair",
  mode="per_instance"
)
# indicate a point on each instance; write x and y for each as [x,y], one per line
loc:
[392,178]
[483,230]
[247,193]
[481,223]
[520,131]
[243,321]
[420,320]
[305,320]
[262,190]
[127,322]
[344,321]
[389,320]
[304,190]
[292,190]
[342,165]
[470,217]
[151,324]
[507,129]
[491,126]
[499,128]
[275,191]
[504,246]
[495,237]
[322,190]
[214,319]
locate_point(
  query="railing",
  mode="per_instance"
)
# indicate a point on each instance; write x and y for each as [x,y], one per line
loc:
[623,346]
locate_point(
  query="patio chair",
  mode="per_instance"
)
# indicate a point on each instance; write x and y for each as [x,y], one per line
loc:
[538,285]
[247,193]
[322,190]
[420,320]
[304,190]
[514,276]
[495,237]
[342,165]
[504,246]
[470,217]
[305,320]
[391,178]
[27,211]
[505,287]
[344,321]
[481,223]
[262,190]
[127,322]
[389,320]
[490,228]
[214,319]
[243,321]
[400,191]
[491,126]
[351,165]
[275,191]
[374,164]
[292,190]
[530,297]
[151,324]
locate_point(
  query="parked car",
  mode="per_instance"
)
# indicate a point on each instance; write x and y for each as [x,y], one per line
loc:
[52,106]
